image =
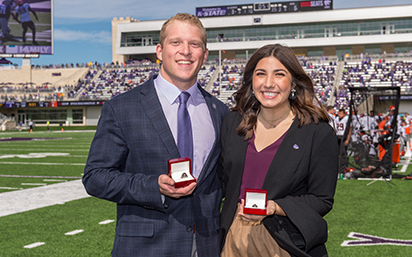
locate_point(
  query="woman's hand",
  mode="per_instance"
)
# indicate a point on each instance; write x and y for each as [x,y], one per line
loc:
[270,210]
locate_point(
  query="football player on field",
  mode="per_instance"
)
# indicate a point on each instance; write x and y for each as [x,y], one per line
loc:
[23,10]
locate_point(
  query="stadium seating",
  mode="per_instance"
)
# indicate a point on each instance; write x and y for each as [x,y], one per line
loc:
[331,79]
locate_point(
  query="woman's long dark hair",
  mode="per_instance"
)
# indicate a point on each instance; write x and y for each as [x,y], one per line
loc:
[306,106]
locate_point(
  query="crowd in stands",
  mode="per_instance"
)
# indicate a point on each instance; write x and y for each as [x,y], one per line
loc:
[96,65]
[31,93]
[367,73]
[323,76]
[396,73]
[231,79]
[112,82]
[104,81]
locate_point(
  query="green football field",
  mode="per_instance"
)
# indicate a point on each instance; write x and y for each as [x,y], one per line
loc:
[378,212]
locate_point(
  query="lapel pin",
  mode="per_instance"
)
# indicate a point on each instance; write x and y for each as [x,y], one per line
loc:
[214,106]
[295,146]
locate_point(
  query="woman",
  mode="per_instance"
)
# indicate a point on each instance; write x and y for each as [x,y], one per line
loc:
[277,138]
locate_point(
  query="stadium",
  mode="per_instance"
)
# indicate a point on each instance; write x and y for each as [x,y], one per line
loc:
[326,40]
[341,50]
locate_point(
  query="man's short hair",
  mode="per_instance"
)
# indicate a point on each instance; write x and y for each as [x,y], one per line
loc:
[184,17]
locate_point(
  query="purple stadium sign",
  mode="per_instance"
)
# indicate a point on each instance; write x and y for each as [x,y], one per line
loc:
[211,11]
[29,49]
[264,8]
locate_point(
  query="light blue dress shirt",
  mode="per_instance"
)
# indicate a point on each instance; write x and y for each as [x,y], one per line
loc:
[202,126]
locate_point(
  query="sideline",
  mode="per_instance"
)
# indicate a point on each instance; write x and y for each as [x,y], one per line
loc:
[39,197]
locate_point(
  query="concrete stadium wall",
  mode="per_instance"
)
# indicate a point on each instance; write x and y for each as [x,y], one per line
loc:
[405,106]
[57,77]
[93,115]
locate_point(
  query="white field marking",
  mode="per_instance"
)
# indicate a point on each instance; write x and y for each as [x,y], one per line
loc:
[21,146]
[32,155]
[25,156]
[74,232]
[45,177]
[34,245]
[37,24]
[106,222]
[42,163]
[405,166]
[33,184]
[31,144]
[45,132]
[48,149]
[54,180]
[10,188]
[32,198]
[47,142]
[77,156]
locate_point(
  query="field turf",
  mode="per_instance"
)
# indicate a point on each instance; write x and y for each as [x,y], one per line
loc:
[381,209]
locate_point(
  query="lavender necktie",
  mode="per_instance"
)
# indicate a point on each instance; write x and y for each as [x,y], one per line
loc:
[184,128]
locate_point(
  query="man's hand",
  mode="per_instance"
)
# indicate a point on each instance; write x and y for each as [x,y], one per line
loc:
[167,187]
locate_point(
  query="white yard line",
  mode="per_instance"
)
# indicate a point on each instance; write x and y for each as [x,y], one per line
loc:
[34,245]
[46,149]
[105,222]
[405,166]
[42,163]
[74,232]
[39,197]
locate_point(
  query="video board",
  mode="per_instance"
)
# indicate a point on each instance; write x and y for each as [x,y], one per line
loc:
[32,15]
[264,8]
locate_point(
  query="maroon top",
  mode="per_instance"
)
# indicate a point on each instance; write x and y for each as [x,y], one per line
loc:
[257,164]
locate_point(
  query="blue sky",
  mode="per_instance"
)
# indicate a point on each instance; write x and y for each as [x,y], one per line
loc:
[82,29]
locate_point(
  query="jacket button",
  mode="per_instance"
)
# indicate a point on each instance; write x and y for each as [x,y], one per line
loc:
[189,229]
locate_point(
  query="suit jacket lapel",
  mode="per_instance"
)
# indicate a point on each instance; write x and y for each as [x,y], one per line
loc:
[238,149]
[216,120]
[151,105]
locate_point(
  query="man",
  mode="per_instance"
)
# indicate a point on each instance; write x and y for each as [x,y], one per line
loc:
[341,123]
[23,10]
[4,17]
[138,132]
[331,112]
[356,126]
[369,122]
[10,4]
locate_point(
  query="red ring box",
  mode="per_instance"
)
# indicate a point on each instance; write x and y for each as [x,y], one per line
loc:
[255,201]
[181,172]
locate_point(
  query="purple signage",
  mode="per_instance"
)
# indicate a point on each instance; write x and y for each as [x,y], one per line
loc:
[264,8]
[211,11]
[16,49]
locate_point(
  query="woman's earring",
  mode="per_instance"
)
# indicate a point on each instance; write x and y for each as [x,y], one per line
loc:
[253,93]
[292,95]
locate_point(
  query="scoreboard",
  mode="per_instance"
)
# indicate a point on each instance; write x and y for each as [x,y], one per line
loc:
[264,8]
